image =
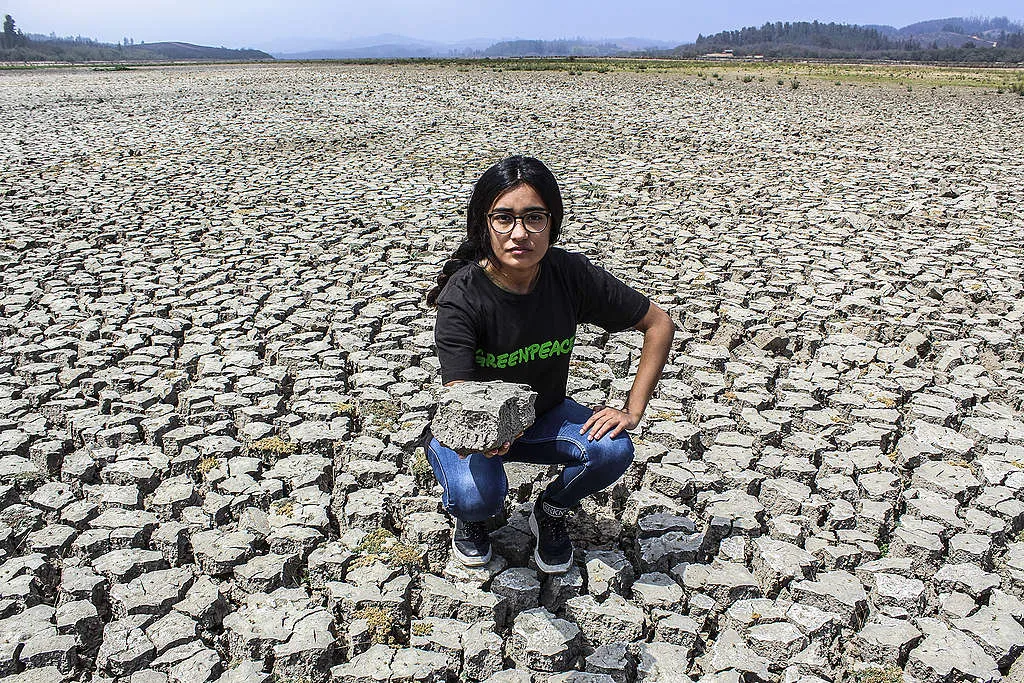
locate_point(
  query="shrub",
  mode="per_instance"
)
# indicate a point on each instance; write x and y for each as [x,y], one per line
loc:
[274,445]
[422,629]
[890,674]
[206,464]
[380,623]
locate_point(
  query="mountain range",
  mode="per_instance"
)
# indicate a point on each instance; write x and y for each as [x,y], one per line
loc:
[952,32]
[394,46]
[936,39]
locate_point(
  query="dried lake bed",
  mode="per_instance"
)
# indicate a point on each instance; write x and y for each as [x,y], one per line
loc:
[215,364]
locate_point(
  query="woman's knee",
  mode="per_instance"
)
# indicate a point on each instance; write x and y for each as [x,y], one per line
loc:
[477,490]
[474,487]
[476,503]
[612,456]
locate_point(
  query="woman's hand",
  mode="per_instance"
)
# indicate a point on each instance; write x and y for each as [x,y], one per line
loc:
[610,421]
[504,447]
[499,451]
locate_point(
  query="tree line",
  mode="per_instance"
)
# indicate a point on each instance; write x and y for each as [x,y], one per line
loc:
[12,36]
[829,36]
[817,40]
[18,47]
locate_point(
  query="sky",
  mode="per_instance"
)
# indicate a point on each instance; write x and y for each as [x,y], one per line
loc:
[284,25]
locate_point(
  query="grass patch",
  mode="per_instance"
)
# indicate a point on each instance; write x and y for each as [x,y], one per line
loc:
[380,545]
[283,507]
[344,408]
[207,464]
[421,469]
[385,414]
[422,629]
[877,674]
[274,445]
[380,623]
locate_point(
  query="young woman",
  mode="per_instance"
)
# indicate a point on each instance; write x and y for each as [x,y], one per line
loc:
[508,304]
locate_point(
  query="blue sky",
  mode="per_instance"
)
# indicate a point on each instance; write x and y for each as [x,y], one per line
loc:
[275,24]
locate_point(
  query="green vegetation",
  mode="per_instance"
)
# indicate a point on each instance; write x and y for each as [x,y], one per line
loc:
[380,624]
[12,36]
[422,629]
[542,48]
[817,40]
[773,36]
[385,414]
[283,507]
[889,674]
[207,464]
[380,545]
[421,469]
[15,46]
[274,445]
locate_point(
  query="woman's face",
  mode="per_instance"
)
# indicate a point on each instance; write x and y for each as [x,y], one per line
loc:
[519,250]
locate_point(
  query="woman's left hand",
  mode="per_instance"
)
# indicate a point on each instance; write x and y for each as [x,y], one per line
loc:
[610,421]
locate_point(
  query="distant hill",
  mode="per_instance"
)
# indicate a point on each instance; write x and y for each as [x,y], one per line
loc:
[955,39]
[39,48]
[399,47]
[552,48]
[954,31]
[813,34]
[385,45]
[188,51]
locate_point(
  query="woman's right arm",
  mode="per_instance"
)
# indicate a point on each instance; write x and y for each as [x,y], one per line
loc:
[455,339]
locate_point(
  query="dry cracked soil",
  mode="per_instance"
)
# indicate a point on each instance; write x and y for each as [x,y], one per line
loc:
[215,364]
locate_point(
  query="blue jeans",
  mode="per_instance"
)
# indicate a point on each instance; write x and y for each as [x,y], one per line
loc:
[475,486]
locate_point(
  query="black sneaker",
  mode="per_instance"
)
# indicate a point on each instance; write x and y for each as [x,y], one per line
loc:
[470,543]
[553,553]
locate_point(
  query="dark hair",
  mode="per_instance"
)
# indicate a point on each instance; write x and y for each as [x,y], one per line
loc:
[498,179]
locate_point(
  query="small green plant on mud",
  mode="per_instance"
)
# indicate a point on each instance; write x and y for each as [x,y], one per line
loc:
[380,545]
[877,674]
[284,507]
[274,445]
[207,464]
[421,469]
[380,624]
[422,629]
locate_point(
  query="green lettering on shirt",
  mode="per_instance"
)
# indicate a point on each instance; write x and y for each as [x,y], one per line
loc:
[526,354]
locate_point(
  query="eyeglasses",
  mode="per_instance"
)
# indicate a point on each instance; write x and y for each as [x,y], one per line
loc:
[503,223]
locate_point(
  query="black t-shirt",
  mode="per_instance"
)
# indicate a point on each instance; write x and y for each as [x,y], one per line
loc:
[486,333]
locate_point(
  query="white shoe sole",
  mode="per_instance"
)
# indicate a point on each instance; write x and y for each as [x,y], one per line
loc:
[469,561]
[541,564]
